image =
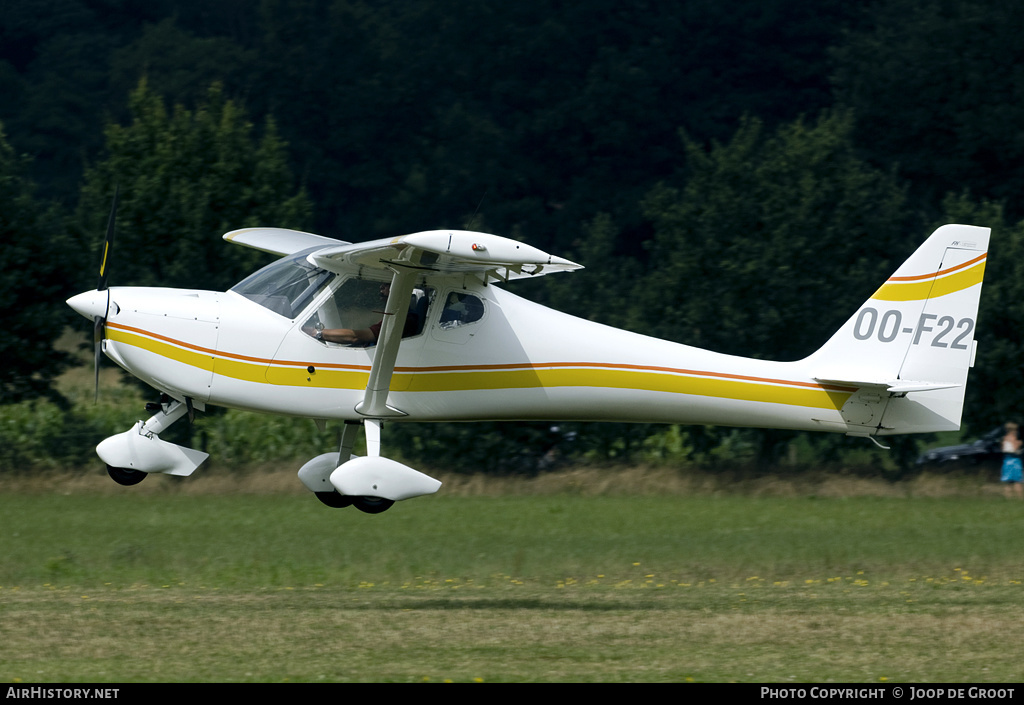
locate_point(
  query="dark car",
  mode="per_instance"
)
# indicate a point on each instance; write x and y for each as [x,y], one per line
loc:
[985,449]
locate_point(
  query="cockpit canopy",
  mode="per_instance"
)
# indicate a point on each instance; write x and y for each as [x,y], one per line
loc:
[287,285]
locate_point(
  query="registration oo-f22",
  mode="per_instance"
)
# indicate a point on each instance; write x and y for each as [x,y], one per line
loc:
[421,328]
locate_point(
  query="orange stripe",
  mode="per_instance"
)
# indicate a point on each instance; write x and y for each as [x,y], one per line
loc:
[235,356]
[613,366]
[483,368]
[940,273]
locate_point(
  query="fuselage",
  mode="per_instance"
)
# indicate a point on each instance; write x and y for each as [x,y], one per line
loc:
[515,360]
[412,328]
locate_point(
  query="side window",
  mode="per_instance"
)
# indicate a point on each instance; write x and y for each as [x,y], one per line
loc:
[460,309]
[353,315]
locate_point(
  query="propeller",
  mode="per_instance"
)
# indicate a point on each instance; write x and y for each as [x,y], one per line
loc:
[100,322]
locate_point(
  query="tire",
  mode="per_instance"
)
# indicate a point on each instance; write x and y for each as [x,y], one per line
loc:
[126,476]
[372,505]
[334,499]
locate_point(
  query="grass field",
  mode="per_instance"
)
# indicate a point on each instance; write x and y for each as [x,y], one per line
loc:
[582,581]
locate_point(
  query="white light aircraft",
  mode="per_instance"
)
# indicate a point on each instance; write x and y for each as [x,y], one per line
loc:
[414,328]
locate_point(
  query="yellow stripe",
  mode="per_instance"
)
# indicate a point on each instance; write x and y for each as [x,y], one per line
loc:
[930,288]
[256,371]
[193,358]
[321,377]
[239,369]
[480,380]
[627,379]
[103,264]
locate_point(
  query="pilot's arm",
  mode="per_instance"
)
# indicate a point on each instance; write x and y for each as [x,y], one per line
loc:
[360,336]
[349,336]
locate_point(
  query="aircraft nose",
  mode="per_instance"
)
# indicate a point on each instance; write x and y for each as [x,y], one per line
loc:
[90,303]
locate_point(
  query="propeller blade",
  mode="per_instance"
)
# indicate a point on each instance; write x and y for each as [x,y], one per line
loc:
[97,339]
[108,242]
[100,322]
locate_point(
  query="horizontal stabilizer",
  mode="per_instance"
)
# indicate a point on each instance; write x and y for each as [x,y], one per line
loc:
[894,386]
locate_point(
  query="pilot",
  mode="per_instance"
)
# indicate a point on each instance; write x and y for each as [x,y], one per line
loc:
[365,336]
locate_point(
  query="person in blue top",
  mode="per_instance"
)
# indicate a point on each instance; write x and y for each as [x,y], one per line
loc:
[1011,474]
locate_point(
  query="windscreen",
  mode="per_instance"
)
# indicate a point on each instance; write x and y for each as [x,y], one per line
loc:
[285,286]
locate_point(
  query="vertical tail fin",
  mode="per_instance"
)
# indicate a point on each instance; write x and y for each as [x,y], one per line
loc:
[908,349]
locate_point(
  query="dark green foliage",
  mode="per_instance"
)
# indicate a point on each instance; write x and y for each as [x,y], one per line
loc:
[937,86]
[772,241]
[36,261]
[995,394]
[493,448]
[186,178]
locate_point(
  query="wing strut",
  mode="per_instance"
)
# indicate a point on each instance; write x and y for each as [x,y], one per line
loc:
[375,402]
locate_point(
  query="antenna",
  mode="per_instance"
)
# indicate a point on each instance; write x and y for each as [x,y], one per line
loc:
[472,220]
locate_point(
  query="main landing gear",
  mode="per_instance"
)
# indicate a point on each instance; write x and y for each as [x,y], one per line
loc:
[371,484]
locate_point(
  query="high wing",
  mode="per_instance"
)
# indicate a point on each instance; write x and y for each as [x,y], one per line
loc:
[279,241]
[447,251]
[407,258]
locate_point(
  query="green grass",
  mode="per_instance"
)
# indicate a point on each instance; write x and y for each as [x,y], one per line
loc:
[126,587]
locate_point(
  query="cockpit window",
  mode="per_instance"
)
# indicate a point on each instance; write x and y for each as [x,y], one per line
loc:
[353,315]
[460,309]
[285,286]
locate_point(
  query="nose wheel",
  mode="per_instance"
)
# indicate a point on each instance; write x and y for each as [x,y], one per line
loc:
[126,476]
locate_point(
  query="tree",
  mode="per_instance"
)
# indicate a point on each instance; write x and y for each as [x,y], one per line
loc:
[54,80]
[186,178]
[993,394]
[938,90]
[180,65]
[771,243]
[36,263]
[596,292]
